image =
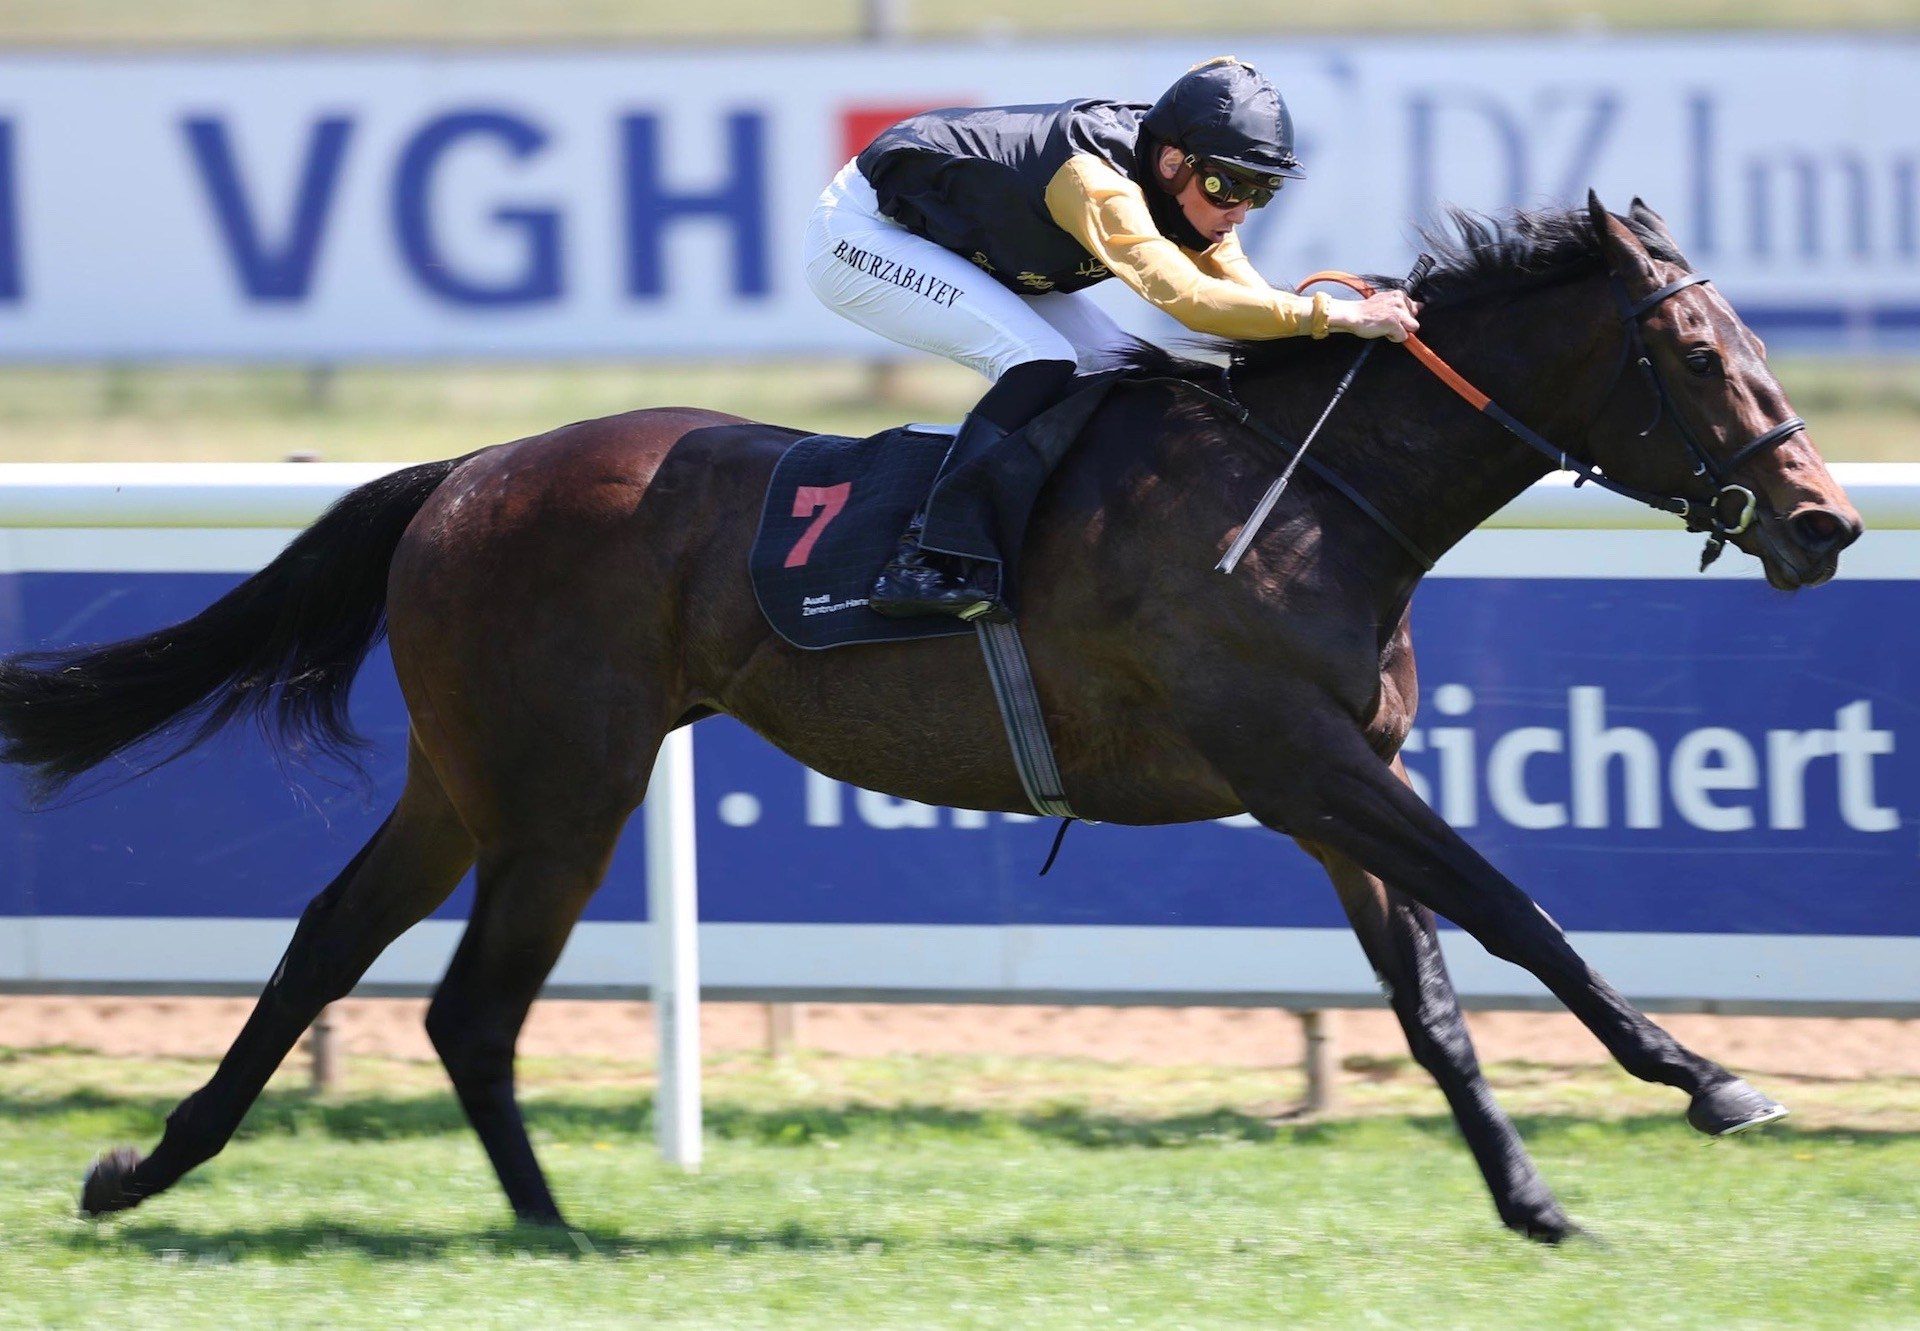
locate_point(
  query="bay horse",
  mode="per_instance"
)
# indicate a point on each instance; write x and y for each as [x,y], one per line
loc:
[558,604]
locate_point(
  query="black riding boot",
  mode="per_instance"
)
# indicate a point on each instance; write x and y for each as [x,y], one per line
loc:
[917,581]
[953,558]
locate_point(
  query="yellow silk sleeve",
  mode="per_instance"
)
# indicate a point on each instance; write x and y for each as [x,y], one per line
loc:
[1228,260]
[1107,214]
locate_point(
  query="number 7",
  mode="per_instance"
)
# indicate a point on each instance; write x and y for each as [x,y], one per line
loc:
[823,504]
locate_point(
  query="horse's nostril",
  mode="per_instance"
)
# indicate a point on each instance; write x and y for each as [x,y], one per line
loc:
[1815,525]
[1821,530]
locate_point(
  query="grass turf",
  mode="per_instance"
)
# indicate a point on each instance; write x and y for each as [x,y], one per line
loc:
[1860,410]
[931,1192]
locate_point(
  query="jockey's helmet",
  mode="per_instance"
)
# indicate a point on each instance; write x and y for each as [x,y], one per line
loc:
[1225,112]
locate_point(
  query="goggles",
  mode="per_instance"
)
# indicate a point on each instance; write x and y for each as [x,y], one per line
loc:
[1226,187]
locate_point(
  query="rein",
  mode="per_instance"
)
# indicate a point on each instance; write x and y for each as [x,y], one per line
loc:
[1699,516]
[1243,416]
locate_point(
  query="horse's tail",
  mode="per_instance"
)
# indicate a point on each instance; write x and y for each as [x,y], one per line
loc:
[282,647]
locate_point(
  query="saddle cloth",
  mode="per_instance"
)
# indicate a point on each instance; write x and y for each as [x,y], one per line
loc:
[835,509]
[834,512]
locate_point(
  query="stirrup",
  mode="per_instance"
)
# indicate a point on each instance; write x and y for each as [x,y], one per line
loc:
[918,582]
[987,612]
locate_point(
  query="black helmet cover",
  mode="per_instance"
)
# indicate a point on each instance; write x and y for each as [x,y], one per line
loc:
[1225,111]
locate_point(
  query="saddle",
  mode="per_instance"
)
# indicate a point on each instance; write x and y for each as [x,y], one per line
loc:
[834,512]
[835,508]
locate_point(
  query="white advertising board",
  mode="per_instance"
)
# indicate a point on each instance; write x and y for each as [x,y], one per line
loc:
[644,202]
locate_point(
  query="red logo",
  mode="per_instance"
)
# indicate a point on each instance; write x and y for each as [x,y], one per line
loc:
[859,125]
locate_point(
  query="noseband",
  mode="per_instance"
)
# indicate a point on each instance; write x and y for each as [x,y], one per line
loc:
[1706,464]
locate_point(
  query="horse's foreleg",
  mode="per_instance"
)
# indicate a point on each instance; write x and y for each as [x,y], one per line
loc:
[410,866]
[1349,800]
[1399,939]
[530,894]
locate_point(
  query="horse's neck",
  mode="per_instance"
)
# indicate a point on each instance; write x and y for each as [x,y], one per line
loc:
[1434,466]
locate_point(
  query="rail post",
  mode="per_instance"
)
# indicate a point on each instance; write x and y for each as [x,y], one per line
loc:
[783,1030]
[1319,1061]
[673,916]
[323,1046]
[885,385]
[883,20]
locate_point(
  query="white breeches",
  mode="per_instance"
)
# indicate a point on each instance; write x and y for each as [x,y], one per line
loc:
[904,287]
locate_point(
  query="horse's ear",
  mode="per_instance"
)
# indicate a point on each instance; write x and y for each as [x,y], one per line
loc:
[1652,221]
[1600,218]
[1619,247]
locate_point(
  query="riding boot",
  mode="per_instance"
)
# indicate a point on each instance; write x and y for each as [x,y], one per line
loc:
[919,581]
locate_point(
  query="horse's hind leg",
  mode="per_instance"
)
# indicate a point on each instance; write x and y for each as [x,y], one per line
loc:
[533,883]
[1398,936]
[409,867]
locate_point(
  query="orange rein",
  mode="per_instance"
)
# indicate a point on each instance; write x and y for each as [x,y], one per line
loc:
[1423,353]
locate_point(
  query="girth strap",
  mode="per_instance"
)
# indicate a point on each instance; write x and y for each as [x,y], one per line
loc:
[1025,722]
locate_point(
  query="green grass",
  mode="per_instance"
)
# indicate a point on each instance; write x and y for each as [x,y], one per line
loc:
[961,1192]
[379,413]
[1860,410]
[328,21]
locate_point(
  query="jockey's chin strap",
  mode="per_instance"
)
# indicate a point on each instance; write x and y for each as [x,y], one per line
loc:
[1699,515]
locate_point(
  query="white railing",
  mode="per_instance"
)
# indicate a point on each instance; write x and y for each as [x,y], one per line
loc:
[293,494]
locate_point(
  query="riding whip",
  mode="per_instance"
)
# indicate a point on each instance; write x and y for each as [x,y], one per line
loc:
[1258,517]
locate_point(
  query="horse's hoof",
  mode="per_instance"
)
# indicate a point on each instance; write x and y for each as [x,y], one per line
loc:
[1548,1224]
[548,1220]
[1732,1107]
[106,1190]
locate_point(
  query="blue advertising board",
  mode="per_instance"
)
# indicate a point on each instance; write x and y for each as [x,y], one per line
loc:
[1712,785]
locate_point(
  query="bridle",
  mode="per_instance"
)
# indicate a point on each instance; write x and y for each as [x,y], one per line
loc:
[1705,463]
[1699,515]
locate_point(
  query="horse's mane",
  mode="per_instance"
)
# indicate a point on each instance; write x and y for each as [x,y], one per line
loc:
[1476,255]
[1481,254]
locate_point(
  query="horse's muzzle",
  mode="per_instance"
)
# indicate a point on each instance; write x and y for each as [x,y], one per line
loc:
[1822,533]
[1803,548]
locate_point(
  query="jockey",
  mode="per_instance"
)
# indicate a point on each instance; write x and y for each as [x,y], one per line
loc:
[969,232]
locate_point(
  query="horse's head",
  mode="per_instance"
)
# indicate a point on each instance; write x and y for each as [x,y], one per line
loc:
[1694,412]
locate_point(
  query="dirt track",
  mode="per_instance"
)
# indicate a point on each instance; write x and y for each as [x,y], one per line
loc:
[201,1027]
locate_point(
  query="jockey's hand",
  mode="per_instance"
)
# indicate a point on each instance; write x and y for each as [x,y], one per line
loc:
[1388,314]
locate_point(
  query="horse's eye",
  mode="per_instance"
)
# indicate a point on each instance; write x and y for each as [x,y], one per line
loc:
[1703,360]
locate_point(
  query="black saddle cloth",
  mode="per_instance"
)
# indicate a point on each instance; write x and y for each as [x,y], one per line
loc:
[836,507]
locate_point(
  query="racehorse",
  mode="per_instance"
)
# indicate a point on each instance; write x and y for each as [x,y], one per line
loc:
[558,604]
